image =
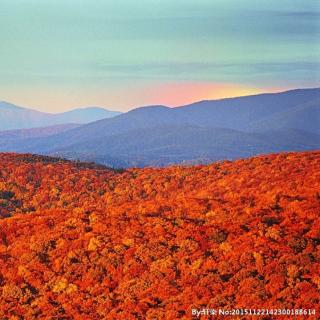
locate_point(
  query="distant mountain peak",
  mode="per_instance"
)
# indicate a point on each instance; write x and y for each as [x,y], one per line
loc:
[8,105]
[91,108]
[15,117]
[150,108]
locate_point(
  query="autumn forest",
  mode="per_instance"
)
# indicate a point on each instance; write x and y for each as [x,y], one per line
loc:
[81,241]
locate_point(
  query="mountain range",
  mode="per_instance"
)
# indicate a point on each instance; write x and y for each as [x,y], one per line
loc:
[201,132]
[15,117]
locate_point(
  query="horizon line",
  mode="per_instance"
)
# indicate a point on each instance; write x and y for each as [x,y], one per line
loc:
[155,104]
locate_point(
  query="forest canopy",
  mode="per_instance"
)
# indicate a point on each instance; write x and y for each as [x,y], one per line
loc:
[84,242]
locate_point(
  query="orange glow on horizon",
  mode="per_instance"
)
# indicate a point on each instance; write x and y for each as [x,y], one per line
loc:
[173,94]
[177,94]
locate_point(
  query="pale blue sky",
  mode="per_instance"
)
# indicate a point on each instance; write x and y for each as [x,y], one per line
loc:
[58,54]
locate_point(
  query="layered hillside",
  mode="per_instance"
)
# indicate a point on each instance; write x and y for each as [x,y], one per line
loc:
[13,117]
[202,132]
[78,241]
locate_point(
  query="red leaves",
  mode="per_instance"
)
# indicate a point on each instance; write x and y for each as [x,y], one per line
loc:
[155,243]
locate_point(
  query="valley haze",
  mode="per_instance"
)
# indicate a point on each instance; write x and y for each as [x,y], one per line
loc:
[157,135]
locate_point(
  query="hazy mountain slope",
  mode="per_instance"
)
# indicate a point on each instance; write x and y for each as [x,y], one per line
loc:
[15,140]
[304,117]
[14,117]
[242,113]
[204,131]
[291,139]
[236,113]
[84,115]
[145,117]
[165,145]
[37,132]
[176,144]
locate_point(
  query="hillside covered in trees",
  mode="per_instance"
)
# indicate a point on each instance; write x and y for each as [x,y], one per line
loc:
[79,241]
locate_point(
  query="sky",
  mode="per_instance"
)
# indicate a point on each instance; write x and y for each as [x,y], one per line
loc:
[59,54]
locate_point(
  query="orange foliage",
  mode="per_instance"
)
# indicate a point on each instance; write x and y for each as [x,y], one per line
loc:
[79,241]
